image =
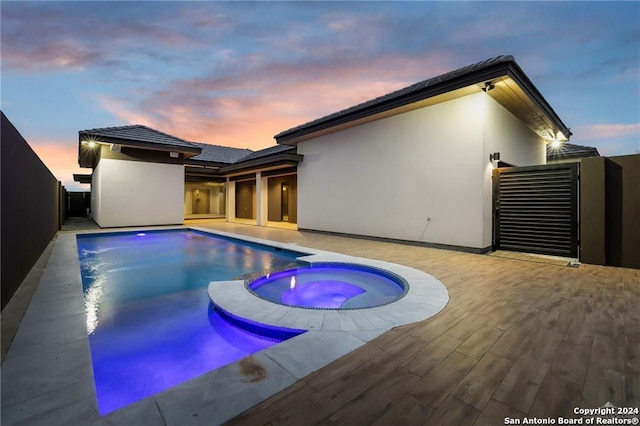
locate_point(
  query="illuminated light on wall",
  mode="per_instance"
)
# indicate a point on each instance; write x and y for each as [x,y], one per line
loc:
[555,144]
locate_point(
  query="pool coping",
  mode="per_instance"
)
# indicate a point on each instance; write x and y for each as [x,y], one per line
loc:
[47,376]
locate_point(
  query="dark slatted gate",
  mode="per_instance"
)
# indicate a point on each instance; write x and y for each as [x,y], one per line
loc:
[535,209]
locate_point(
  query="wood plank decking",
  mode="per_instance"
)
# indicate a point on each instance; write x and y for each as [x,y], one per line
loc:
[517,339]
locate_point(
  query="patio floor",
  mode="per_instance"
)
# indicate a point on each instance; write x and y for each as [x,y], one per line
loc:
[518,338]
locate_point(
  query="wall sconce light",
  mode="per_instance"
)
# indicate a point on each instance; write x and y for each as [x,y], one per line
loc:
[494,157]
[488,86]
[173,154]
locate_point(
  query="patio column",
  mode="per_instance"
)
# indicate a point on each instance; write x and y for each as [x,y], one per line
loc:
[230,201]
[261,199]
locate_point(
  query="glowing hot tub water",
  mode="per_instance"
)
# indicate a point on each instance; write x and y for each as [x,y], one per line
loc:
[330,286]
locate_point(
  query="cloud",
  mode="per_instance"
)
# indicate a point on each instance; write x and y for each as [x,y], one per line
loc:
[75,36]
[61,158]
[608,131]
[248,108]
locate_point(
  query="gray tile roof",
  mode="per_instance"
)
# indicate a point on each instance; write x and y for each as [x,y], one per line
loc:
[137,133]
[399,94]
[568,151]
[206,153]
[475,74]
[268,151]
[220,154]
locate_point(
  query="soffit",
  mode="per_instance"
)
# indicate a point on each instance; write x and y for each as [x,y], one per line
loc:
[508,93]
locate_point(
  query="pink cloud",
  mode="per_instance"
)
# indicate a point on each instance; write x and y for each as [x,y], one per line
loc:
[58,54]
[608,131]
[247,109]
[124,113]
[61,158]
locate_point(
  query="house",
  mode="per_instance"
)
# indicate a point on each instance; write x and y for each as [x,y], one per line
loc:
[142,177]
[413,165]
[416,164]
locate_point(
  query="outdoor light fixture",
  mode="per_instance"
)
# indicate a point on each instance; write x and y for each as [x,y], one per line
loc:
[91,144]
[494,157]
[488,86]
[555,144]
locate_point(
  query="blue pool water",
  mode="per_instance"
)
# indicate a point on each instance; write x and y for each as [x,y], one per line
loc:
[150,323]
[330,286]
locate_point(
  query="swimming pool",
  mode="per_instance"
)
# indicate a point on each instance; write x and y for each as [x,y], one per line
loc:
[149,317]
[330,286]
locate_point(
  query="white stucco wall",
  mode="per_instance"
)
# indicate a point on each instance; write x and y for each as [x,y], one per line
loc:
[387,177]
[96,178]
[136,193]
[517,144]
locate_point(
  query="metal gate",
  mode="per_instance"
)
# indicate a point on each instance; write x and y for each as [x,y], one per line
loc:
[535,209]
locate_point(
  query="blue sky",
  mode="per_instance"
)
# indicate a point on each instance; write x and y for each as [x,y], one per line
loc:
[238,73]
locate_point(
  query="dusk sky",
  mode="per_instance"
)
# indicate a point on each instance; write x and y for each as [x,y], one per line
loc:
[238,73]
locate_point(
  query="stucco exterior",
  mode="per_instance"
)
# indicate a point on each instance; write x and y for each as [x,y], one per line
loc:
[422,176]
[133,193]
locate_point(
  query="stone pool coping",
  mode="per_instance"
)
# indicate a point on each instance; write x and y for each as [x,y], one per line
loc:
[47,376]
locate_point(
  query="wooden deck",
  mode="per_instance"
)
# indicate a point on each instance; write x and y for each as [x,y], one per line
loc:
[517,339]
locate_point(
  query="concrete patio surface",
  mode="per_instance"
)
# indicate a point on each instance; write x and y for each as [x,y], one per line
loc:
[517,339]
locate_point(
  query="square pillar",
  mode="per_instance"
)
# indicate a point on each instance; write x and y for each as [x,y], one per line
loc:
[262,199]
[230,202]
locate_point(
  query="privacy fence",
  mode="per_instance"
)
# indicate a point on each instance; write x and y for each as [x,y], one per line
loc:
[32,208]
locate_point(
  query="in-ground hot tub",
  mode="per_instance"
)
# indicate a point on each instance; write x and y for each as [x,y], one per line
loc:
[330,286]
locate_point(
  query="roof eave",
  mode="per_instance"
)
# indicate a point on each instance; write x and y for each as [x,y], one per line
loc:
[276,160]
[518,75]
[505,68]
[496,70]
